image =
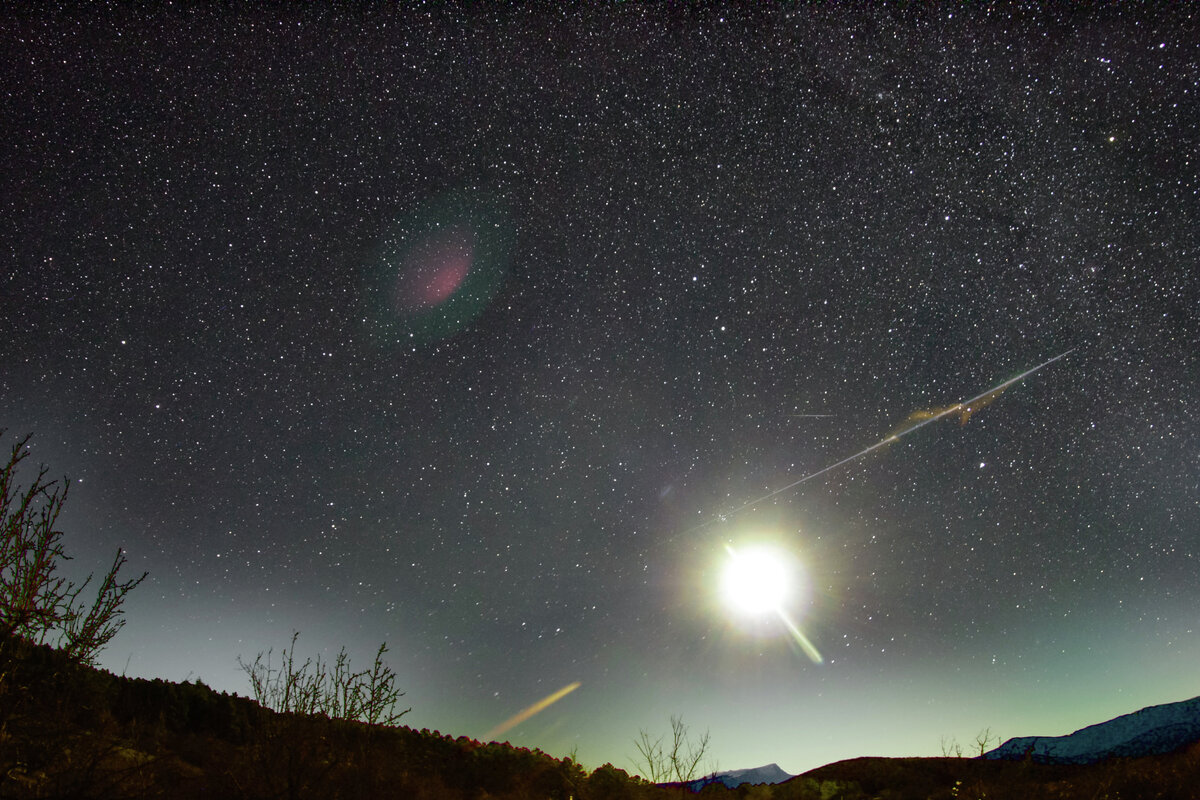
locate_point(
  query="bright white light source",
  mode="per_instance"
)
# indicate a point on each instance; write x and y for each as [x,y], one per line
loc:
[756,581]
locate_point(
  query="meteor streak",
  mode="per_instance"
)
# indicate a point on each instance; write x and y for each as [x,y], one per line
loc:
[539,706]
[963,410]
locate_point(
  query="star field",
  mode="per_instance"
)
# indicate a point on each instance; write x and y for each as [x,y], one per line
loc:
[473,330]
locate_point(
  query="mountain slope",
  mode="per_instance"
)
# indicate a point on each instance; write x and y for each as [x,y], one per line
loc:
[1150,731]
[771,773]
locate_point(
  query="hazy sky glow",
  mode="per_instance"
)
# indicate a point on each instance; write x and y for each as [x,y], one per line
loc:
[492,335]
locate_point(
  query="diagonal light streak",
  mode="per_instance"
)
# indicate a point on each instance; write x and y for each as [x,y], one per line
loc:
[536,708]
[957,408]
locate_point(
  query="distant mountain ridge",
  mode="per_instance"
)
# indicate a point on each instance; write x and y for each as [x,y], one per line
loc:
[1151,731]
[771,773]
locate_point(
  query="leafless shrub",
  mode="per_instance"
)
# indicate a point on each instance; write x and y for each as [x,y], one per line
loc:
[317,687]
[983,742]
[36,603]
[951,748]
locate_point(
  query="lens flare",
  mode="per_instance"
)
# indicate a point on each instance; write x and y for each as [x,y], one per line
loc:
[799,638]
[536,708]
[434,269]
[438,270]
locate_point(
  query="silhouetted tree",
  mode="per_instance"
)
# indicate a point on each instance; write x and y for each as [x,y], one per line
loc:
[676,759]
[984,740]
[42,612]
[36,603]
[951,748]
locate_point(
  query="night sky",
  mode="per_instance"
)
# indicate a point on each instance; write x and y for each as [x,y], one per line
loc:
[479,331]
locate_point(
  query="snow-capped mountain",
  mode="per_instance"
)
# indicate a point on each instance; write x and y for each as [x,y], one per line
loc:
[1153,730]
[733,778]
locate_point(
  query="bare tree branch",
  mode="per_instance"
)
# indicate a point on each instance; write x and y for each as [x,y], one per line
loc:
[984,740]
[314,687]
[679,761]
[36,603]
[656,768]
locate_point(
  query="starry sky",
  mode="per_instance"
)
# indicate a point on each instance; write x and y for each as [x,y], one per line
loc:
[478,331]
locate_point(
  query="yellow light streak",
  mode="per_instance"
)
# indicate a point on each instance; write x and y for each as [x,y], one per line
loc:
[807,646]
[536,708]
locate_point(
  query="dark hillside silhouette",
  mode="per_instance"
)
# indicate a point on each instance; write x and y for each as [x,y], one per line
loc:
[79,732]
